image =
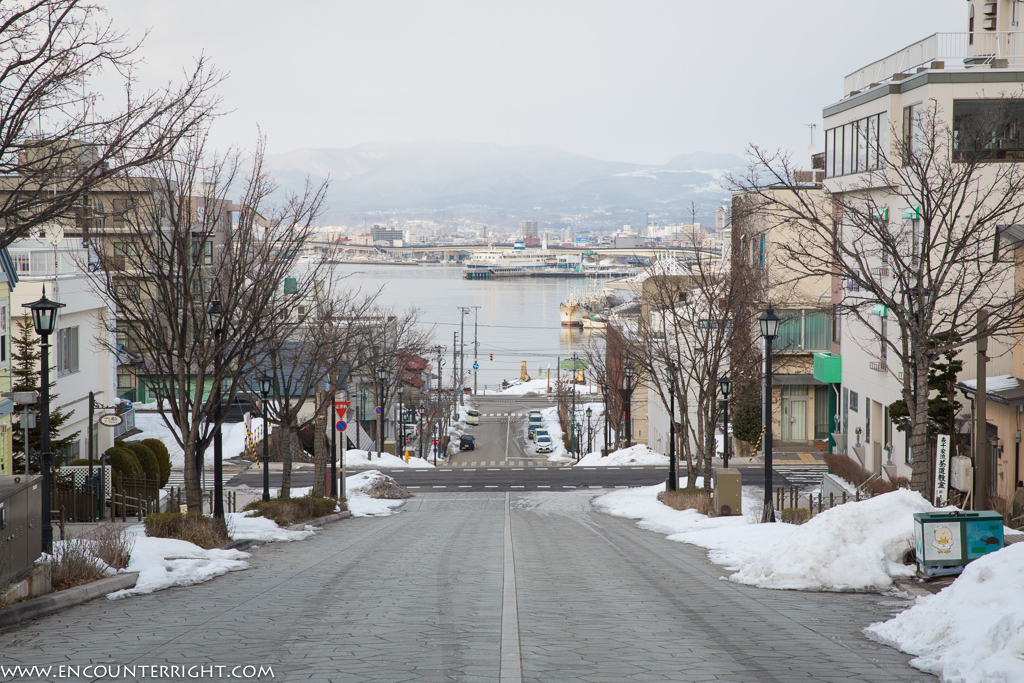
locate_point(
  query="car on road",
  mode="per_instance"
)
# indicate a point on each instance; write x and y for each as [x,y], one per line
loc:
[537,433]
[535,422]
[472,416]
[467,442]
[544,443]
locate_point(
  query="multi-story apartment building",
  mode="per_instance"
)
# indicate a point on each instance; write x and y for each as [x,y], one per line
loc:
[954,78]
[8,281]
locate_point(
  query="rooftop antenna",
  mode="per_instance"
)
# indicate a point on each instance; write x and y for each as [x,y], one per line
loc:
[812,150]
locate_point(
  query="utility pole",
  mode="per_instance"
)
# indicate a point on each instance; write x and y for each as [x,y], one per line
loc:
[462,351]
[476,346]
[455,365]
[981,447]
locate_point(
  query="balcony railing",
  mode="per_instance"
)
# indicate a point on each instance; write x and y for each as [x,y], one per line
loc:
[955,50]
[879,366]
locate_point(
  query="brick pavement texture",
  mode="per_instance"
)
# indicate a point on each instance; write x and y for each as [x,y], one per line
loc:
[419,597]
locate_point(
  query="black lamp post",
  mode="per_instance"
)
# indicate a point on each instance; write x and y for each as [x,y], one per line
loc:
[627,391]
[44,317]
[590,431]
[382,375]
[769,323]
[605,390]
[725,384]
[672,483]
[266,384]
[216,313]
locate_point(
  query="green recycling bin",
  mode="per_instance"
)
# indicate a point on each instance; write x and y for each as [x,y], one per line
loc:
[946,541]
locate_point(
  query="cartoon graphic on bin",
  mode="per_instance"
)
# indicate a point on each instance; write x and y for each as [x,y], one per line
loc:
[943,542]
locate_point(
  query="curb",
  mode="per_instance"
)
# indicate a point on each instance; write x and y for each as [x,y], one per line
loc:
[912,588]
[320,521]
[47,604]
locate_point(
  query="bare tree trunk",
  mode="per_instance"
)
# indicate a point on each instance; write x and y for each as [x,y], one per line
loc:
[320,445]
[921,475]
[288,437]
[193,494]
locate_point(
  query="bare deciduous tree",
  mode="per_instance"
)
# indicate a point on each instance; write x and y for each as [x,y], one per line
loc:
[175,249]
[927,233]
[59,139]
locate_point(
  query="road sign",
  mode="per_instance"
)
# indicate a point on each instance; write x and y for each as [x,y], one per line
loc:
[476,366]
[342,425]
[377,410]
[340,407]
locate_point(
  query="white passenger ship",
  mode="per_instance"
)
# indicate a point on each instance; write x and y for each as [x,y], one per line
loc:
[517,257]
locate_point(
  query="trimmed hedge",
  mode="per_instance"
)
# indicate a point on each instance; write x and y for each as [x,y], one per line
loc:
[288,511]
[123,461]
[147,460]
[163,458]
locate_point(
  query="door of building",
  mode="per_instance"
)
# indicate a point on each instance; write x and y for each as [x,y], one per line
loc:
[794,413]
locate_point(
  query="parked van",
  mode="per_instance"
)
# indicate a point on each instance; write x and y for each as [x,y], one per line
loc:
[472,416]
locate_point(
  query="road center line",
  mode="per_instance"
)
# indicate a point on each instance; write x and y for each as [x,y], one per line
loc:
[511,654]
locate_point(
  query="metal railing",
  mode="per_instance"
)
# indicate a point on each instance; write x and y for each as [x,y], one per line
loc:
[955,50]
[127,422]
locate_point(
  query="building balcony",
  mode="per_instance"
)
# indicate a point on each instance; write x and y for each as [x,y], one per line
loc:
[995,49]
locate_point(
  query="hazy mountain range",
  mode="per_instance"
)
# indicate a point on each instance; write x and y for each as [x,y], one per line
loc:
[452,176]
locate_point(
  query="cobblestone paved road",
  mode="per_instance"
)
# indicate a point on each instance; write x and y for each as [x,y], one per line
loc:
[480,587]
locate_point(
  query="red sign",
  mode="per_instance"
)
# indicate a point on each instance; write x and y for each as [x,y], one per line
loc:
[340,407]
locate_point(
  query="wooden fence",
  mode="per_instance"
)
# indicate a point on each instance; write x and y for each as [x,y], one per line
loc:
[83,501]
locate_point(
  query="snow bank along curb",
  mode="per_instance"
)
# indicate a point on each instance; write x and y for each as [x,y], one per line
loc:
[47,604]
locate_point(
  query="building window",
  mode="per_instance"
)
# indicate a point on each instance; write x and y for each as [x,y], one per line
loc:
[858,146]
[67,350]
[989,129]
[124,381]
[804,330]
[913,132]
[853,401]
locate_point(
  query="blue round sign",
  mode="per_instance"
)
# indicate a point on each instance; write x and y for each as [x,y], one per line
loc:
[377,410]
[476,366]
[342,425]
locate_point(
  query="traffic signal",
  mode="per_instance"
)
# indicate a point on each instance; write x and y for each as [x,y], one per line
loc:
[492,356]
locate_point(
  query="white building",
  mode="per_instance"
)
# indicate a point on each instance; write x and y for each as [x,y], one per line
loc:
[974,73]
[80,356]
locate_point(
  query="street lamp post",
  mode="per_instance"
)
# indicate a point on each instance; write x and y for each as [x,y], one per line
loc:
[590,431]
[672,484]
[216,313]
[627,391]
[769,324]
[44,317]
[605,390]
[725,384]
[382,375]
[266,383]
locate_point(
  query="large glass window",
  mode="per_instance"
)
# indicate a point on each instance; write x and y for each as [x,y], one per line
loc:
[804,330]
[816,331]
[857,146]
[789,332]
[67,350]
[991,129]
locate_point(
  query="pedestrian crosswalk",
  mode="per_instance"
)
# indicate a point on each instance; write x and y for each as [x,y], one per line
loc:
[507,463]
[802,475]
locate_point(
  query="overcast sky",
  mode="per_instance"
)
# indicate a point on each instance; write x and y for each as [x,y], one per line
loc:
[623,80]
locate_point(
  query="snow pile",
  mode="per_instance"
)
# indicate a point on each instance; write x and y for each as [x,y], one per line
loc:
[166,562]
[244,526]
[856,546]
[973,630]
[153,427]
[640,454]
[518,388]
[360,490]
[355,458]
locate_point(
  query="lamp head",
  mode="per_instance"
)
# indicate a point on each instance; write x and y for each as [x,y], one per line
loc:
[266,384]
[726,385]
[590,412]
[382,374]
[44,314]
[769,323]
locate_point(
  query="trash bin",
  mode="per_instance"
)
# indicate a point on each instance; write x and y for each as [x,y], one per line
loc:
[946,541]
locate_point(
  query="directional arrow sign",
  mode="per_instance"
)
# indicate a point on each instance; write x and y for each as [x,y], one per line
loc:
[476,366]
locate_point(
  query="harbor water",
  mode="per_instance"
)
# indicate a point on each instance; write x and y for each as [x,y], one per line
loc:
[517,319]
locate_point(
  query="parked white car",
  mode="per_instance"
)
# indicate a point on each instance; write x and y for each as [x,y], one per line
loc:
[544,443]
